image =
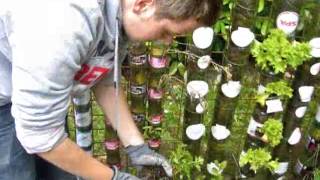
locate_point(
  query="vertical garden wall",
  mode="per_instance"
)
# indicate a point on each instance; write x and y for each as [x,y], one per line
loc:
[237,100]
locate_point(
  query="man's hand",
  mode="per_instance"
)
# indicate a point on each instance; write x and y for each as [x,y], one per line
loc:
[121,175]
[142,155]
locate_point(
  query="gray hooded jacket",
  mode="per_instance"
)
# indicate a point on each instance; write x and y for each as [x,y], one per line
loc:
[49,52]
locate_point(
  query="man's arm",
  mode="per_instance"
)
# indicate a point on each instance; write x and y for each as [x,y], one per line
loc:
[68,156]
[127,130]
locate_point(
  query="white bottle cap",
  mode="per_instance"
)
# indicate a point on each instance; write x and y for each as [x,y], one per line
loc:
[305,93]
[220,132]
[242,37]
[231,89]
[197,89]
[315,47]
[195,132]
[203,62]
[295,137]
[300,111]
[315,69]
[202,37]
[288,21]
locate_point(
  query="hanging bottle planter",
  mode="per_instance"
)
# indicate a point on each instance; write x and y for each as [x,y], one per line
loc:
[83,121]
[112,146]
[138,81]
[308,160]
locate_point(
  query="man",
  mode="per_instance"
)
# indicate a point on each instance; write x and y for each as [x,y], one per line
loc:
[48,53]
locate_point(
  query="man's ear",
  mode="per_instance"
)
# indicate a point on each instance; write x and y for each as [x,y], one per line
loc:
[144,8]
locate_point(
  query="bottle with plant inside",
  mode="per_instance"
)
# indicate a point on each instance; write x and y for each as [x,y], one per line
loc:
[138,58]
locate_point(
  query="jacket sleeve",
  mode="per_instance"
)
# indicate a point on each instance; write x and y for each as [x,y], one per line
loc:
[48,44]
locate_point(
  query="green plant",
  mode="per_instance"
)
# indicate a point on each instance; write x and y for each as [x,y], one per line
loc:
[272,128]
[258,158]
[216,169]
[280,88]
[183,162]
[276,53]
[316,174]
[150,132]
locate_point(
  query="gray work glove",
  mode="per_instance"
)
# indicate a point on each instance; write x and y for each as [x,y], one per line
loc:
[117,175]
[142,155]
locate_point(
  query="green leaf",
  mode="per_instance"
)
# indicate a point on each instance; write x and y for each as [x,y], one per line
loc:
[276,53]
[181,69]
[272,128]
[261,6]
[173,68]
[257,158]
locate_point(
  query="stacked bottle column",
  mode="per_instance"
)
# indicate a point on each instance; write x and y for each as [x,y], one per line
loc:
[308,160]
[303,85]
[138,82]
[112,146]
[305,153]
[83,121]
[158,62]
[270,109]
[292,145]
[198,62]
[236,59]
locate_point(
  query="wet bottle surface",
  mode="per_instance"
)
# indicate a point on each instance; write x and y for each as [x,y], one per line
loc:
[138,59]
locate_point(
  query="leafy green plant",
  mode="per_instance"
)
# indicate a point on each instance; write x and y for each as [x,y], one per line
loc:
[183,162]
[316,174]
[150,132]
[276,53]
[216,169]
[272,128]
[258,158]
[280,88]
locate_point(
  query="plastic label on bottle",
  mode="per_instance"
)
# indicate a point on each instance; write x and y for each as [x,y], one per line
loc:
[82,99]
[159,62]
[311,144]
[212,166]
[200,108]
[83,119]
[274,105]
[203,37]
[315,69]
[220,132]
[306,93]
[195,132]
[299,167]
[288,21]
[138,117]
[282,168]
[112,145]
[154,143]
[197,89]
[139,60]
[300,111]
[261,89]
[315,47]
[231,89]
[295,137]
[84,139]
[203,62]
[253,126]
[155,94]
[242,37]
[137,90]
[156,119]
[318,114]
